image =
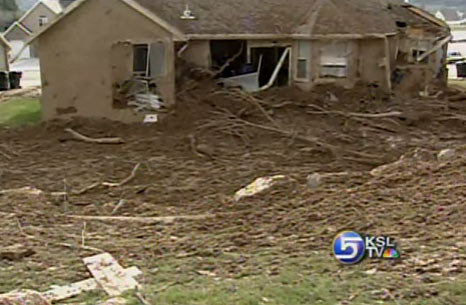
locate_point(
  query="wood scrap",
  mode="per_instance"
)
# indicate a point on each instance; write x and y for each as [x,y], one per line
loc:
[126,180]
[23,191]
[141,298]
[119,205]
[87,188]
[110,275]
[250,98]
[59,293]
[360,115]
[87,139]
[7,156]
[9,150]
[23,297]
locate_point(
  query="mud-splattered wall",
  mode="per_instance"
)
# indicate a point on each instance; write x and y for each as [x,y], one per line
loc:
[76,65]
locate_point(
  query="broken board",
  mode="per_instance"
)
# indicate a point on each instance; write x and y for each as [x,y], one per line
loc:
[110,275]
[59,293]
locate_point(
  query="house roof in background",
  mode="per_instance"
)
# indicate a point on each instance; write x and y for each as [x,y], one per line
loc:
[53,5]
[18,25]
[450,14]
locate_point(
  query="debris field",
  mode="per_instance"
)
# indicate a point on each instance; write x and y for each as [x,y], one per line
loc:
[353,159]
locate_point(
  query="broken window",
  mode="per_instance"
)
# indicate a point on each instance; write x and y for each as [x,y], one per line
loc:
[418,48]
[334,59]
[304,53]
[43,20]
[149,59]
[417,53]
[141,59]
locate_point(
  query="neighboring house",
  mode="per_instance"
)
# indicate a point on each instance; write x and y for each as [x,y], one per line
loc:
[448,14]
[4,53]
[65,3]
[17,35]
[97,48]
[35,19]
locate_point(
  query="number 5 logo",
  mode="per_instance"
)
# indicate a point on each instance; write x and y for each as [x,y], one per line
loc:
[348,247]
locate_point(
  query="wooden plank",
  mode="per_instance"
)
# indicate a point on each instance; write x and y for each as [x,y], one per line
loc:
[109,274]
[64,292]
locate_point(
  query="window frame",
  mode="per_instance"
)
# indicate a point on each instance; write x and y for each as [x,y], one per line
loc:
[303,57]
[344,66]
[43,20]
[146,72]
[419,52]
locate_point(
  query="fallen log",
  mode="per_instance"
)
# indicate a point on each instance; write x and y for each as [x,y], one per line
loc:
[87,139]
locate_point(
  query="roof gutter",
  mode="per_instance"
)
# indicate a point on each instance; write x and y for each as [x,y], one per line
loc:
[286,36]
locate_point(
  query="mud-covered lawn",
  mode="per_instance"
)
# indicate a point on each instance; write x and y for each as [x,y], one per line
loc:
[271,246]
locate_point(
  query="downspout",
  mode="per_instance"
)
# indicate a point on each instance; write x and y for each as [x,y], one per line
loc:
[183,49]
[274,76]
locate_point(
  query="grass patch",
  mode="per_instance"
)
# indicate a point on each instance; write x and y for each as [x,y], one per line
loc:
[457,83]
[318,279]
[20,111]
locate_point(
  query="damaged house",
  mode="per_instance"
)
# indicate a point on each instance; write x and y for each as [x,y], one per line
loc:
[118,58]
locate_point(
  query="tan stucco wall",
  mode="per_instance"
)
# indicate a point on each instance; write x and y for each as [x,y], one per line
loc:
[372,56]
[31,22]
[198,53]
[76,65]
[3,58]
[316,46]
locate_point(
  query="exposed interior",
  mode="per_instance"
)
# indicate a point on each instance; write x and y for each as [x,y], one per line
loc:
[270,58]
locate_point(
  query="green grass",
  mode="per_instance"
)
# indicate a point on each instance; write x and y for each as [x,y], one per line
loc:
[20,111]
[313,279]
[461,84]
[318,279]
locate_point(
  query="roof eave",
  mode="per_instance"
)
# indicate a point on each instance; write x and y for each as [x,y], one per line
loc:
[286,36]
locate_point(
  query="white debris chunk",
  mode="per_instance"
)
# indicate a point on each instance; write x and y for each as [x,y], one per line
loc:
[446,155]
[258,186]
[314,180]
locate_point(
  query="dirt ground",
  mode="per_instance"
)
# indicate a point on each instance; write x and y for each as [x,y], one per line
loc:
[218,141]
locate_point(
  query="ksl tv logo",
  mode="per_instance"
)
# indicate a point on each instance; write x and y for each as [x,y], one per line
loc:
[351,248]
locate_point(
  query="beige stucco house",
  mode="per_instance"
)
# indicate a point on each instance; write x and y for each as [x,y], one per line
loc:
[96,54]
[4,54]
[31,22]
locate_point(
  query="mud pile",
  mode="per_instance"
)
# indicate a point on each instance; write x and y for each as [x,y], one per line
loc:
[217,141]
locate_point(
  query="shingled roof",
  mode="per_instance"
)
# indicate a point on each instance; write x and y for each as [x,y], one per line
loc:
[276,16]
